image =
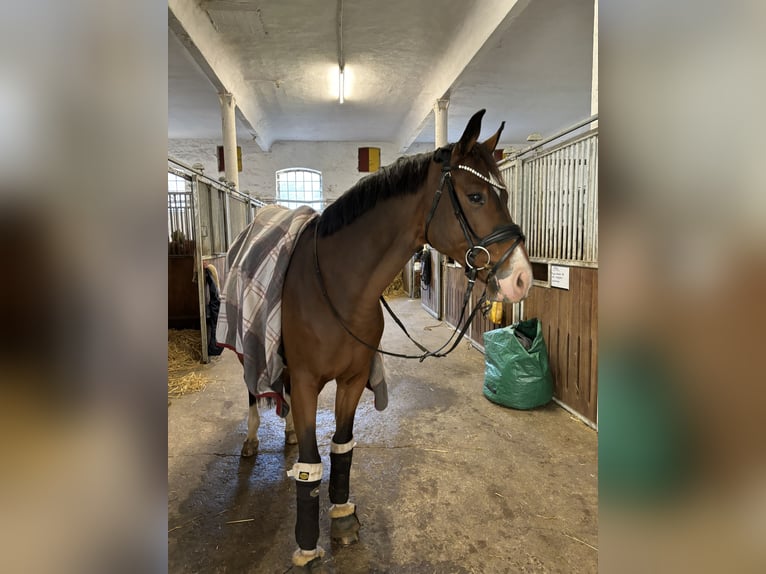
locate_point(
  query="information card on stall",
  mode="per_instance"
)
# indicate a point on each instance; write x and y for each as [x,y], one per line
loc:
[560,277]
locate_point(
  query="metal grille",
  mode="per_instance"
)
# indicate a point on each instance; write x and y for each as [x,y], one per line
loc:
[555,200]
[180,227]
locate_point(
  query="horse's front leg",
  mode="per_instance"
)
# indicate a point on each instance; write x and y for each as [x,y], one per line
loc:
[345,524]
[307,473]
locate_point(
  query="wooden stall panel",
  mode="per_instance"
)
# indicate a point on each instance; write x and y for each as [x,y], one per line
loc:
[183,301]
[570,327]
[455,284]
[431,297]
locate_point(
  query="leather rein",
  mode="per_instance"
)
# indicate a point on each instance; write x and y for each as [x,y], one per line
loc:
[476,245]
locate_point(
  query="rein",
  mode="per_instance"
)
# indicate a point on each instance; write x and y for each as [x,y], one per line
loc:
[503,233]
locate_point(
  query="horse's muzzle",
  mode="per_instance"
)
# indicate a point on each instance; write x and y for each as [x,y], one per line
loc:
[512,283]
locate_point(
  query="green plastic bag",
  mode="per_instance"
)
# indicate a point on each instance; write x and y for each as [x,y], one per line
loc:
[517,373]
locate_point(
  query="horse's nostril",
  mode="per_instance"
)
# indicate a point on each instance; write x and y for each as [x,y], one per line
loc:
[520,281]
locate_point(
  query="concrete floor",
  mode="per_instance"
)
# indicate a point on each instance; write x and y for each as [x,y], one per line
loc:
[444,480]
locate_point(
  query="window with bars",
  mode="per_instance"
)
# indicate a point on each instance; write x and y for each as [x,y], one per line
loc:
[179,209]
[300,186]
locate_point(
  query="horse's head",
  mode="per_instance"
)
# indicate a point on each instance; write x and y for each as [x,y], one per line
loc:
[472,223]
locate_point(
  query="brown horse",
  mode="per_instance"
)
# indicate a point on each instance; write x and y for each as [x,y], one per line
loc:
[342,263]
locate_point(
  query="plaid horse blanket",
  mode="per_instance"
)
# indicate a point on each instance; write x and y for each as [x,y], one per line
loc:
[250,318]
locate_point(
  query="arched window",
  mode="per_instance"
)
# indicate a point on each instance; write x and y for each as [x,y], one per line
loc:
[300,186]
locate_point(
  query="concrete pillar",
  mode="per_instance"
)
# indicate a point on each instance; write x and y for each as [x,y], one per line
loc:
[229,123]
[440,121]
[594,80]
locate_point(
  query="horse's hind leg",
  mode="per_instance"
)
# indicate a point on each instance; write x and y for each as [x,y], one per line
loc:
[345,524]
[250,446]
[307,473]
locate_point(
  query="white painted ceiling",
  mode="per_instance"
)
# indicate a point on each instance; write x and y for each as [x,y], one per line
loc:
[527,62]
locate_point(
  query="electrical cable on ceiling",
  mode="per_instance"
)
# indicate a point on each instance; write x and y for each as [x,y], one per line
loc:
[339,29]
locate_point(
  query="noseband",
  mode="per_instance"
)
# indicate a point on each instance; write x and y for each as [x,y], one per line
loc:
[475,243]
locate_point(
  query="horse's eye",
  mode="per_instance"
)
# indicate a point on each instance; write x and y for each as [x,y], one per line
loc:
[476,198]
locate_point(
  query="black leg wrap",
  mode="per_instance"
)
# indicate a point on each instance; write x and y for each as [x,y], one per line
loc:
[340,468]
[307,523]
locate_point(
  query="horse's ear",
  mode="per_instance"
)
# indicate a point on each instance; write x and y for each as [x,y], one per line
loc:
[471,133]
[491,143]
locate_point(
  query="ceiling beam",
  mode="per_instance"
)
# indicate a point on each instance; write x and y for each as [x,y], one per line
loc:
[485,17]
[194,29]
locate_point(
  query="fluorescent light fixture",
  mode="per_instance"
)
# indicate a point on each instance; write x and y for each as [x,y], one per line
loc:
[341,86]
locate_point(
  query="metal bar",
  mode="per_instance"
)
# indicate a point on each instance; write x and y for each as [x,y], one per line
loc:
[536,202]
[573,199]
[539,191]
[576,202]
[555,136]
[200,271]
[594,185]
[584,190]
[227,221]
[519,202]
[563,203]
[592,199]
[566,231]
[587,182]
[540,199]
[217,184]
[556,192]
[567,262]
[549,208]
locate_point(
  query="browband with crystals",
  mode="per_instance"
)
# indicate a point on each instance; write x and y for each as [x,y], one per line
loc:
[480,176]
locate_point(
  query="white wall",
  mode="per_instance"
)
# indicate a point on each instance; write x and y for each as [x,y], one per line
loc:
[337,161]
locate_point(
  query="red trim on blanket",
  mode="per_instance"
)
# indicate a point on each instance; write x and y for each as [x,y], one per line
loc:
[225,346]
[268,395]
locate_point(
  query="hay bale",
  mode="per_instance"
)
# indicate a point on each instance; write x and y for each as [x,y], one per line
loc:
[184,356]
[396,287]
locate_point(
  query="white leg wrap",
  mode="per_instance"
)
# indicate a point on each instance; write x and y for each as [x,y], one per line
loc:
[342,448]
[303,557]
[306,472]
[341,510]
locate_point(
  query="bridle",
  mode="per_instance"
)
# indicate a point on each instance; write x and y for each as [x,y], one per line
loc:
[476,244]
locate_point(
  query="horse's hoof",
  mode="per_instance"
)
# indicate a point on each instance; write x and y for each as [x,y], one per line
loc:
[291,437]
[309,560]
[345,530]
[249,448]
